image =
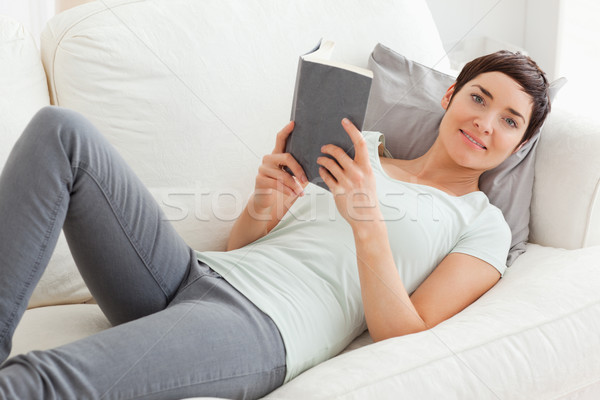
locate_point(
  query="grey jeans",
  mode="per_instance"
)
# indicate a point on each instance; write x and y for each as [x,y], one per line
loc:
[180,329]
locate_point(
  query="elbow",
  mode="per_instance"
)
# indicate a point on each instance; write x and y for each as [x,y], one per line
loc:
[381,337]
[233,245]
[390,332]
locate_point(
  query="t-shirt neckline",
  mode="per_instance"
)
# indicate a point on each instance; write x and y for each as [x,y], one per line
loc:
[386,176]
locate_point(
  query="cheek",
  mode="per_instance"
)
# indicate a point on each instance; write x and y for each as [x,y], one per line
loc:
[506,143]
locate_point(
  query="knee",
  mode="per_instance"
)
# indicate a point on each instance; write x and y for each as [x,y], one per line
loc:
[59,118]
[42,375]
[50,113]
[52,122]
[18,378]
[53,115]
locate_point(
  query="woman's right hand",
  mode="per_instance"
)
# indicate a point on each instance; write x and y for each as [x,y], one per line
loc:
[272,178]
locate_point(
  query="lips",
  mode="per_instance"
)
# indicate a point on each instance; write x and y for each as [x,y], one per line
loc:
[473,140]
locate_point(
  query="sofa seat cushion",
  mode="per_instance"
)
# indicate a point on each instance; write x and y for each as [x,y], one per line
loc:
[535,332]
[44,328]
[533,335]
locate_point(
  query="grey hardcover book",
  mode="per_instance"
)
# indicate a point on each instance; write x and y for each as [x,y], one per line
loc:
[326,92]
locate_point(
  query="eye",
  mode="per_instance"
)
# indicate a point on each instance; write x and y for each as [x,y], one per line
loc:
[477,99]
[511,122]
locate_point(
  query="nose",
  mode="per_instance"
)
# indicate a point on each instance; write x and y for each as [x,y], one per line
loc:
[483,122]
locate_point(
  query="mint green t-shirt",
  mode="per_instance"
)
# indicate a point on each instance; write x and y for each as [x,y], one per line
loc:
[303,273]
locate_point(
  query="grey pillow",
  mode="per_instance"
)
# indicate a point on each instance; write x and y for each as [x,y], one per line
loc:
[404,105]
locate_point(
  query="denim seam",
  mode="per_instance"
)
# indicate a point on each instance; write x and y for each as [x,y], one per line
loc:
[159,340]
[193,305]
[202,275]
[36,267]
[86,168]
[187,285]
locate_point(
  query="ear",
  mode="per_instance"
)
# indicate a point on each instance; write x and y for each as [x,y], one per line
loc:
[520,146]
[448,96]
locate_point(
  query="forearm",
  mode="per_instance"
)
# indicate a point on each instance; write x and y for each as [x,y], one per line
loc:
[251,225]
[275,190]
[388,309]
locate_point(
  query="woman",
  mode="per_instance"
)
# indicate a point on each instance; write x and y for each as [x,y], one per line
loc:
[397,246]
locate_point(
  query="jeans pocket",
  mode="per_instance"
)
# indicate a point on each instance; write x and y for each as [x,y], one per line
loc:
[198,270]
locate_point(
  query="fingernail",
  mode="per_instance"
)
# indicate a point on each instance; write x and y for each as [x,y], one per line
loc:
[345,120]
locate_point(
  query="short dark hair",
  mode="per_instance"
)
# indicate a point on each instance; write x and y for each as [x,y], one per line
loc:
[524,71]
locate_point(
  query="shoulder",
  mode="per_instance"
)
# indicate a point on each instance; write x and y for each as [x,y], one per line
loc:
[486,216]
[491,213]
[377,140]
[487,236]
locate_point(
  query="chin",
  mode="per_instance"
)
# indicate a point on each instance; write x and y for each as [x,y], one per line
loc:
[469,162]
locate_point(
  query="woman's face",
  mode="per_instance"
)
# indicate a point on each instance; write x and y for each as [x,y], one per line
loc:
[485,121]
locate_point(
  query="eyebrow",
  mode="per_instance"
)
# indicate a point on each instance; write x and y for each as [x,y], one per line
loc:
[485,91]
[488,94]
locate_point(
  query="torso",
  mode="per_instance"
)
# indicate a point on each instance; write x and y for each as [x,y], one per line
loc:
[311,289]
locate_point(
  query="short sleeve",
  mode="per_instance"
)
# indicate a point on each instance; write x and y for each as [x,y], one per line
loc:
[488,238]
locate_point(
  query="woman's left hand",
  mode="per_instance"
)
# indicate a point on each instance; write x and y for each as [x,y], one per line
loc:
[352,184]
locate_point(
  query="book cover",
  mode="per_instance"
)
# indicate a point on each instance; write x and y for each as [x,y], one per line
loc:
[326,91]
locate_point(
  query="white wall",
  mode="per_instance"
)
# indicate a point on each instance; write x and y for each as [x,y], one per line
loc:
[579,56]
[531,25]
[543,28]
[461,19]
[563,36]
[33,14]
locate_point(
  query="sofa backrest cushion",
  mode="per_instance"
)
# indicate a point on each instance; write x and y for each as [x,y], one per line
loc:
[565,208]
[192,93]
[23,91]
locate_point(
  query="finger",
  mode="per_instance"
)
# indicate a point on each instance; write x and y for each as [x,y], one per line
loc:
[295,167]
[332,167]
[286,159]
[360,146]
[328,179]
[283,178]
[339,154]
[282,136]
[278,176]
[265,182]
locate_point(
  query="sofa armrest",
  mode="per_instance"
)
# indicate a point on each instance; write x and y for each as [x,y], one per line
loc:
[565,208]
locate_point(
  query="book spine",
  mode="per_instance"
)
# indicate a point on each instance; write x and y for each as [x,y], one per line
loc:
[295,98]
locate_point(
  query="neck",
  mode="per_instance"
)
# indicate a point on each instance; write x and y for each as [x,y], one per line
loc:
[436,168]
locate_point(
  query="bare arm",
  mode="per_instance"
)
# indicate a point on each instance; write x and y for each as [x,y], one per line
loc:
[457,281]
[255,222]
[274,193]
[389,310]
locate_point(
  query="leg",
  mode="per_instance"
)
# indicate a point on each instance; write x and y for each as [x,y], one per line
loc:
[62,170]
[211,341]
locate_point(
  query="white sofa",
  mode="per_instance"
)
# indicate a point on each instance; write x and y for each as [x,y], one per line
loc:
[192,92]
